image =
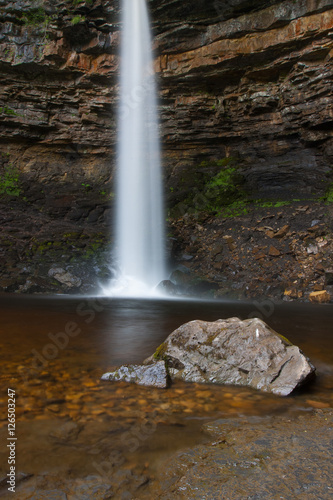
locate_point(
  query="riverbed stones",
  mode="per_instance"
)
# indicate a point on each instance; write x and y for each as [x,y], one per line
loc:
[231,351]
[154,375]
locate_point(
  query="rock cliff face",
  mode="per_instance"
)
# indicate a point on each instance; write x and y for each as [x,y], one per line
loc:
[256,87]
[237,78]
[245,79]
[58,68]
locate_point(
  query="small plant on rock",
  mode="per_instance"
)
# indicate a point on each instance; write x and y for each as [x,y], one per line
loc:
[329,194]
[34,17]
[209,193]
[77,20]
[224,189]
[10,181]
[5,110]
[86,186]
[79,2]
[235,209]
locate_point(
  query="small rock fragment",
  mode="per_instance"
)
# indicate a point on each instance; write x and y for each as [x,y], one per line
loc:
[65,277]
[312,248]
[320,297]
[273,252]
[153,375]
[230,242]
[282,232]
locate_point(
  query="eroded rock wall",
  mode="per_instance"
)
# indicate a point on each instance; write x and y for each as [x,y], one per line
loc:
[237,78]
[257,87]
[58,73]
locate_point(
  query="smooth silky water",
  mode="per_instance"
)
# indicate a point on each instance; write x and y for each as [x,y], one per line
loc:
[139,237]
[64,385]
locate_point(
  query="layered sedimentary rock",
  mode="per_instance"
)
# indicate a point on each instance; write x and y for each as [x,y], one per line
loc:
[58,89]
[257,87]
[237,78]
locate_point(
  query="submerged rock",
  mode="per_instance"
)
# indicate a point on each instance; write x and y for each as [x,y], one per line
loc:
[232,351]
[152,375]
[67,432]
[254,458]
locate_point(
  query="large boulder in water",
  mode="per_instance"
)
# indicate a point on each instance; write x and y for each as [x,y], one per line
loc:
[232,351]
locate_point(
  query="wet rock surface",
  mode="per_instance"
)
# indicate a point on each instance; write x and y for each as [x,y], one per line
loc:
[277,458]
[234,352]
[154,375]
[213,256]
[252,457]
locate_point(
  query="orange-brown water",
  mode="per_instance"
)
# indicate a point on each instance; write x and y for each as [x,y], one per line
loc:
[70,423]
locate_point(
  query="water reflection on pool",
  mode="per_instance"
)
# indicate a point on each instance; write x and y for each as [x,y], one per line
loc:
[54,351]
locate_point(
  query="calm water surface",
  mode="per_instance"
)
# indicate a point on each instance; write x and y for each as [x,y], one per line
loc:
[69,423]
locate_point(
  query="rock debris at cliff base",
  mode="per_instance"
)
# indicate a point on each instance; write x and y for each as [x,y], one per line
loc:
[284,253]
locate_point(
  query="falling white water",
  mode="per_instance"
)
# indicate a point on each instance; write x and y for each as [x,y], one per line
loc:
[139,238]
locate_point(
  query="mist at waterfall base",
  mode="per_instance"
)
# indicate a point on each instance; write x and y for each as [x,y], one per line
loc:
[139,230]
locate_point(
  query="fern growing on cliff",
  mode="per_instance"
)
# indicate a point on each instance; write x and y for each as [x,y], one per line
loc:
[10,181]
[77,20]
[224,189]
[34,17]
[202,192]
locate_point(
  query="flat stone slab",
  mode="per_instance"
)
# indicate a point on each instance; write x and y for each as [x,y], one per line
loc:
[154,375]
[254,458]
[231,351]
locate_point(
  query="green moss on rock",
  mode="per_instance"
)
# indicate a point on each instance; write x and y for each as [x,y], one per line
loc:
[160,352]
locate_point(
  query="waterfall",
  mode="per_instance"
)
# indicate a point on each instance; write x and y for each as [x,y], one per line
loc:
[139,236]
